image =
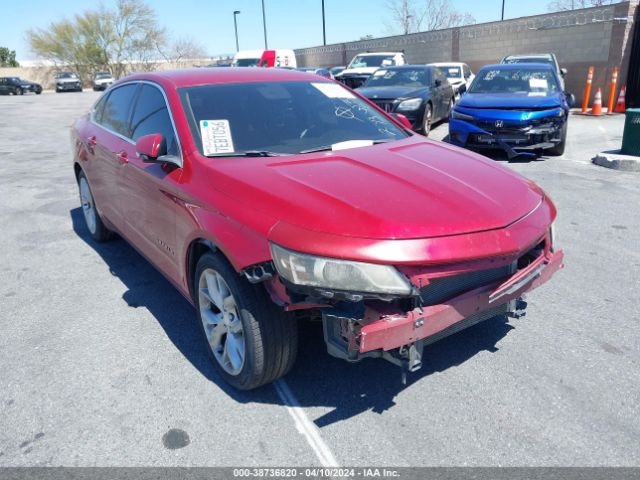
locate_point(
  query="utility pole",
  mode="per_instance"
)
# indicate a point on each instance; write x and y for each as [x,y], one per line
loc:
[324,29]
[264,26]
[503,9]
[235,26]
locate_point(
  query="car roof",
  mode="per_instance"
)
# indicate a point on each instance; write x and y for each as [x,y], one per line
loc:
[444,64]
[376,53]
[206,76]
[518,66]
[407,67]
[531,55]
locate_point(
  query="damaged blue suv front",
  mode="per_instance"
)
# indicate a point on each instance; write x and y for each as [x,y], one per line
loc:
[518,108]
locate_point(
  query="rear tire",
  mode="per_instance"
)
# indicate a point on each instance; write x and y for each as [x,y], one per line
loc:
[559,148]
[92,219]
[250,341]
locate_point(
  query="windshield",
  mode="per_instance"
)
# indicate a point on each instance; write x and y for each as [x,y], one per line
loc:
[282,117]
[405,77]
[66,75]
[515,80]
[364,61]
[452,72]
[103,75]
[246,62]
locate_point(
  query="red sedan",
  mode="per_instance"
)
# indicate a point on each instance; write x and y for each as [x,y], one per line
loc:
[262,192]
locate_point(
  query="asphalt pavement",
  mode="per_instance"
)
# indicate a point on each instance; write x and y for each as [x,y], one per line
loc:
[101,365]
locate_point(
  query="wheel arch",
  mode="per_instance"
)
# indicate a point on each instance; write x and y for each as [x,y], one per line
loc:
[197,248]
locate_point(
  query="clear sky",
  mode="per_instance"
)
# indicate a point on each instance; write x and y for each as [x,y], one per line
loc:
[290,23]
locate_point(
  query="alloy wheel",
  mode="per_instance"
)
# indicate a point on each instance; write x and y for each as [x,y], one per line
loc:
[88,206]
[221,321]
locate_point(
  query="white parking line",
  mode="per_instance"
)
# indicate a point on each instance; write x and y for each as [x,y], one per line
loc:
[305,426]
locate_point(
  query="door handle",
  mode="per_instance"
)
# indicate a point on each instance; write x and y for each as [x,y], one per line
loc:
[122,157]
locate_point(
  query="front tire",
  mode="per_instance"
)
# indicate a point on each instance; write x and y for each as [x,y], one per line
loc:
[427,120]
[92,219]
[559,148]
[250,342]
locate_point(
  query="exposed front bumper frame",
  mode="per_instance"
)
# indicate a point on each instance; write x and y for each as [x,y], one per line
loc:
[385,332]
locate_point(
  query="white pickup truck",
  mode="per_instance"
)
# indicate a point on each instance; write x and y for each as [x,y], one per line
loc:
[364,64]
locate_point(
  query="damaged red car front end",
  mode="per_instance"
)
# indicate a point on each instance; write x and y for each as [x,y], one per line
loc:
[461,281]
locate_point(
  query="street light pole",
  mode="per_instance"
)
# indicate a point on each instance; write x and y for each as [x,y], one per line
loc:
[503,9]
[264,26]
[324,30]
[235,26]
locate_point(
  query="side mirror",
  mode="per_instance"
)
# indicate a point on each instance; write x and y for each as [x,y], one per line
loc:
[571,99]
[437,82]
[563,71]
[462,88]
[402,119]
[150,147]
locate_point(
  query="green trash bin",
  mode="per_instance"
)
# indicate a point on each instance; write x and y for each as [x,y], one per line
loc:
[631,135]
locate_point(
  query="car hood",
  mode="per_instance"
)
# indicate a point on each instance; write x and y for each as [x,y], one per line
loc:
[510,100]
[391,92]
[414,188]
[358,71]
[67,80]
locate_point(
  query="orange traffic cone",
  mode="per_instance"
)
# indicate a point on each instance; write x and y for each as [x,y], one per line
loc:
[596,108]
[621,106]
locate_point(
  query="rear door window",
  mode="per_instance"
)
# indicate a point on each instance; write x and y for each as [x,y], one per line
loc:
[151,115]
[117,109]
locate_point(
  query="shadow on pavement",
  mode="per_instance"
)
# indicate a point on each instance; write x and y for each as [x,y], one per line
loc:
[317,379]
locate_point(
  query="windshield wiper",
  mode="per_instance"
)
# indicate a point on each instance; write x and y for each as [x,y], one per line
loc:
[249,153]
[326,148]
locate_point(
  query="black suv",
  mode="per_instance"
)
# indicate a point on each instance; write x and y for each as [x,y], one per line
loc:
[18,86]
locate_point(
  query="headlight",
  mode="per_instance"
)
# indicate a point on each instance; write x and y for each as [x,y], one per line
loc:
[302,269]
[411,104]
[461,116]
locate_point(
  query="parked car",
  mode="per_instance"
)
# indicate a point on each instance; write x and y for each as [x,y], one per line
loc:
[549,58]
[364,64]
[336,70]
[420,93]
[519,108]
[257,192]
[18,86]
[458,74]
[323,72]
[102,81]
[265,58]
[68,81]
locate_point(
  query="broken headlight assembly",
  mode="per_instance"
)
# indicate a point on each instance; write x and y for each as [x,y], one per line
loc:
[335,274]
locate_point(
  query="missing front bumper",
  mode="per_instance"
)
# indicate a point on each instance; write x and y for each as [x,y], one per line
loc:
[379,332]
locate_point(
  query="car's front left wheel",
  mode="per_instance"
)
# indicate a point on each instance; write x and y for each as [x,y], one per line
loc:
[250,342]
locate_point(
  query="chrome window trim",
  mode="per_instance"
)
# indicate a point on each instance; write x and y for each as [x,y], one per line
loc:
[127,139]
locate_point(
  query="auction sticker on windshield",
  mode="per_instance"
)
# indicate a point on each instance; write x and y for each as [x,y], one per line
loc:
[333,90]
[216,137]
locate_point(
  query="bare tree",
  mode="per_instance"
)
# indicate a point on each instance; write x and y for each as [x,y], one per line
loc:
[403,14]
[185,48]
[412,16]
[439,14]
[562,5]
